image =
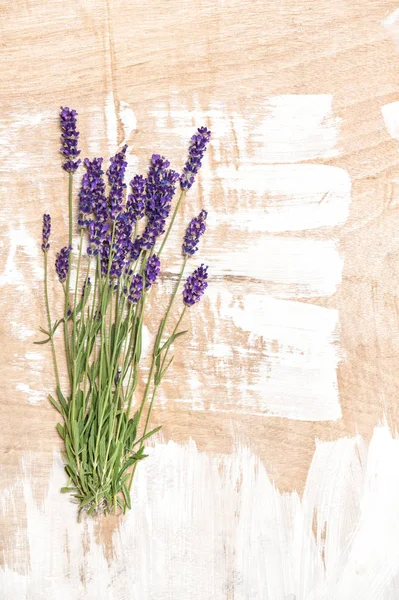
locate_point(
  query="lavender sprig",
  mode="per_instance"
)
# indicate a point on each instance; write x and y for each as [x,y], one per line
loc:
[92,200]
[196,151]
[160,188]
[62,263]
[195,286]
[103,336]
[152,270]
[46,232]
[194,231]
[116,174]
[136,289]
[136,201]
[69,139]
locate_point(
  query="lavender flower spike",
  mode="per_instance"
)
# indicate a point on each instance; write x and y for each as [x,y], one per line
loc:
[195,286]
[92,198]
[62,263]
[46,232]
[69,139]
[135,204]
[194,231]
[196,151]
[116,173]
[160,188]
[152,270]
[136,289]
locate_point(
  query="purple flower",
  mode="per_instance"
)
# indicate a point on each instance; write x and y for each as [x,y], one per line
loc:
[116,173]
[97,234]
[194,231]
[62,262]
[136,289]
[152,270]
[121,246]
[195,286]
[135,249]
[69,139]
[160,188]
[196,151]
[135,204]
[92,198]
[46,232]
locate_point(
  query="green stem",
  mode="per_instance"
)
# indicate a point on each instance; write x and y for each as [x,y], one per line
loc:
[182,196]
[66,333]
[156,348]
[76,293]
[57,376]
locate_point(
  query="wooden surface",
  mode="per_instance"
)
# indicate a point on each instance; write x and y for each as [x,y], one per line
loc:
[176,66]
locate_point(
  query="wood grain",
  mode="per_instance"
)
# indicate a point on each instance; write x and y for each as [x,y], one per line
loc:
[198,55]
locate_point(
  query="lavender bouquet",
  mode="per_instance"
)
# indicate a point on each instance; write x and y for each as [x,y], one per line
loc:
[105,307]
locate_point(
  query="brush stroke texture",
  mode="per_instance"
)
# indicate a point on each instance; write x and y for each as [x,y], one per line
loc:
[214,526]
[277,218]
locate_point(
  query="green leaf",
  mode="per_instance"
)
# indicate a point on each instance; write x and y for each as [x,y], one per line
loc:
[172,339]
[127,464]
[61,430]
[62,400]
[42,342]
[126,493]
[147,435]
[75,435]
[55,404]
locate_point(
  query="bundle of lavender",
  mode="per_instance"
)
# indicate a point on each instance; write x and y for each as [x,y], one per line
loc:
[105,309]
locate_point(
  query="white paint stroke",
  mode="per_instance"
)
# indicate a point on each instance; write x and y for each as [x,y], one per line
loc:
[287,197]
[391,24]
[20,240]
[294,267]
[128,119]
[215,526]
[295,374]
[276,129]
[390,113]
[255,169]
[20,152]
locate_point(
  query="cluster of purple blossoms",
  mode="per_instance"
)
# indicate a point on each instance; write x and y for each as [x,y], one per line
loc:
[92,198]
[116,175]
[110,224]
[152,270]
[136,201]
[194,231]
[46,232]
[62,263]
[160,188]
[195,286]
[136,289]
[69,139]
[196,151]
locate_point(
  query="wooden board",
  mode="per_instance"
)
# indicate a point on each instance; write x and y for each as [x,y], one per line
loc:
[297,340]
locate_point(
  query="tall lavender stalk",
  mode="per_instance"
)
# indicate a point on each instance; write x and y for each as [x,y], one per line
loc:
[104,313]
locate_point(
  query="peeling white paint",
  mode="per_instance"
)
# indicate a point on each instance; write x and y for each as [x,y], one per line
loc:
[128,119]
[391,24]
[294,374]
[255,185]
[278,198]
[294,267]
[215,526]
[390,113]
[20,241]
